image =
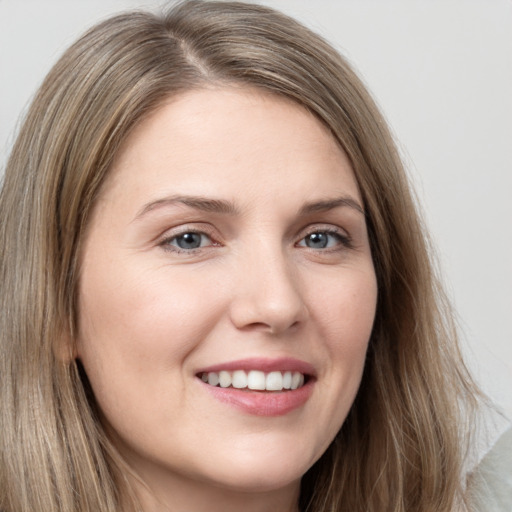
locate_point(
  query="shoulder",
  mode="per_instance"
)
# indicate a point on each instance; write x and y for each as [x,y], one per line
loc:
[490,483]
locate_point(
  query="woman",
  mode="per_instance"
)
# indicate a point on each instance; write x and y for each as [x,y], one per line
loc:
[216,290]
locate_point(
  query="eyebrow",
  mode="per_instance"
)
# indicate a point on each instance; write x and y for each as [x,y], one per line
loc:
[221,206]
[204,204]
[330,204]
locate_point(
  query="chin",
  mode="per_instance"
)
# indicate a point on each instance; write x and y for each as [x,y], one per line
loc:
[259,481]
[256,473]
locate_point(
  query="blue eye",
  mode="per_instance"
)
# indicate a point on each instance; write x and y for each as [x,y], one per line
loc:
[323,240]
[189,241]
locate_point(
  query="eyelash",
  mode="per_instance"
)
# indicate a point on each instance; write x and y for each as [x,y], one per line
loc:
[344,241]
[167,245]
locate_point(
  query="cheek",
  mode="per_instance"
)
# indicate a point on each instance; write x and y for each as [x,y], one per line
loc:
[345,314]
[136,335]
[136,326]
[136,308]
[345,311]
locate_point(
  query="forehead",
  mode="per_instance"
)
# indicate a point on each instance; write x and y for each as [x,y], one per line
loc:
[233,137]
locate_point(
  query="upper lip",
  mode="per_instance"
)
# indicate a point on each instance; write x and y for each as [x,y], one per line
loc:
[263,364]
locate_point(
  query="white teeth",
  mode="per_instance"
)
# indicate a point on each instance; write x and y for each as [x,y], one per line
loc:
[213,378]
[239,380]
[274,381]
[255,380]
[287,380]
[297,380]
[224,379]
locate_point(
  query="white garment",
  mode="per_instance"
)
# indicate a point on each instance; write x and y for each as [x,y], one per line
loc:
[490,483]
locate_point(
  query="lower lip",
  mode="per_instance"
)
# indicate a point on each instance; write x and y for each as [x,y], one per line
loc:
[263,403]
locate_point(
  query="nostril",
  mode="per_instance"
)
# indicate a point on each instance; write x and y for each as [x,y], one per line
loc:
[268,299]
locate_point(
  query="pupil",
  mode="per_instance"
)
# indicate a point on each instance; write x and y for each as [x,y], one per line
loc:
[189,241]
[317,240]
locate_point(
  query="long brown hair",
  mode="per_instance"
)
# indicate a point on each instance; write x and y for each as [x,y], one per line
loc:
[401,447]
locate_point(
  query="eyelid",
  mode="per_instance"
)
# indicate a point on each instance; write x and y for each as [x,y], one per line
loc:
[173,233]
[209,231]
[344,238]
[323,227]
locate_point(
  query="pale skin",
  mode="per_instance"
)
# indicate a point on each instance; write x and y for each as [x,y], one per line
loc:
[230,228]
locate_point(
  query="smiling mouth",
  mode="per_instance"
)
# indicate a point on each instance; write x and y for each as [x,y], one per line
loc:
[255,380]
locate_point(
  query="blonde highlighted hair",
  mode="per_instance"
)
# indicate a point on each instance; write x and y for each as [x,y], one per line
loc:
[400,449]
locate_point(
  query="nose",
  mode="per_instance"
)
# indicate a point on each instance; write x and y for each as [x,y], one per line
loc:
[267,294]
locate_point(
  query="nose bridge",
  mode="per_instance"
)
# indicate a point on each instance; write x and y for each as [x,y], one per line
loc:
[267,292]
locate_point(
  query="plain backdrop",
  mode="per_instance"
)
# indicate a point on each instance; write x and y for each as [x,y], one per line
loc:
[441,70]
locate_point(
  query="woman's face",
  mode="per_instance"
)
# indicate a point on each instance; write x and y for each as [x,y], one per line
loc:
[229,243]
